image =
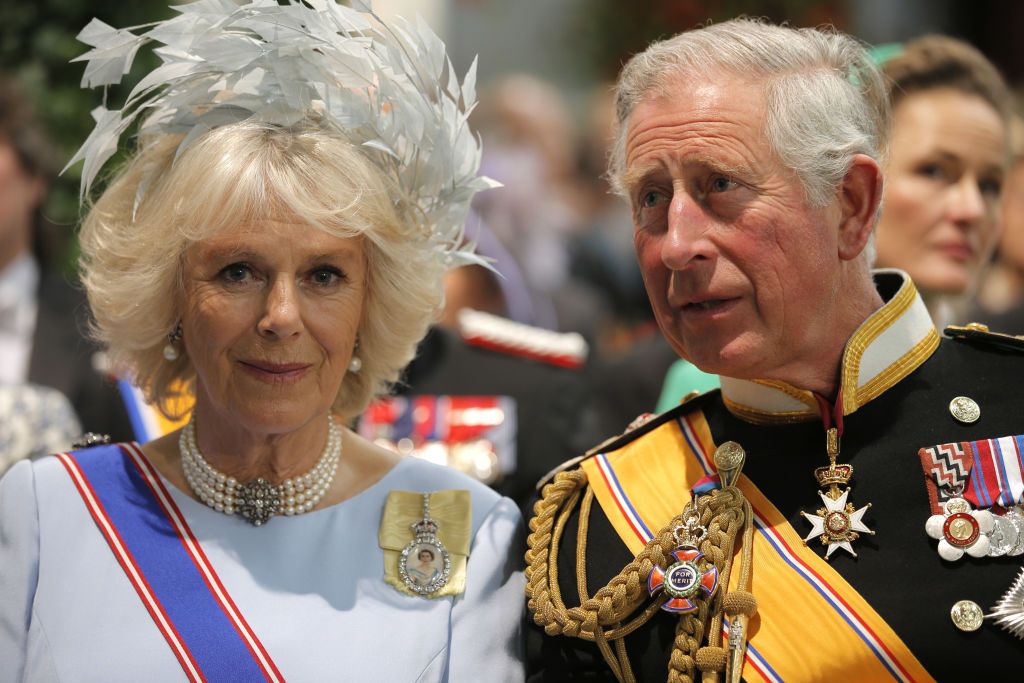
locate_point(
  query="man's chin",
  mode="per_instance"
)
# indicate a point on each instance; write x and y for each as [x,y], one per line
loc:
[729,359]
[678,347]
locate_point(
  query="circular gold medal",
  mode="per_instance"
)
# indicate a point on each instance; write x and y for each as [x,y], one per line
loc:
[967,615]
[965,409]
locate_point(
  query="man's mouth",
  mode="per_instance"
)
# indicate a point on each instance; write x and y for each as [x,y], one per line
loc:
[707,304]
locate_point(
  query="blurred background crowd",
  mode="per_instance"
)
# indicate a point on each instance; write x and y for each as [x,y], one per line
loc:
[953,217]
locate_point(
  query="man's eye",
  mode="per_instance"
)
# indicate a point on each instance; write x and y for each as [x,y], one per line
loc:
[651,199]
[722,184]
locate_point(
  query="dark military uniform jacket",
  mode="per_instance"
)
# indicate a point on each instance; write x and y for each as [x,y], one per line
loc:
[551,402]
[63,358]
[882,615]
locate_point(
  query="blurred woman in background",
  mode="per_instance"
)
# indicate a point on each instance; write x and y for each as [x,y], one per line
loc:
[948,162]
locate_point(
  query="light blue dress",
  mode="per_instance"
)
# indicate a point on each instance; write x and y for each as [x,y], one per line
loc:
[311,587]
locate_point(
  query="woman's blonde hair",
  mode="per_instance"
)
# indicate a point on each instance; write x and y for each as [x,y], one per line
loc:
[135,235]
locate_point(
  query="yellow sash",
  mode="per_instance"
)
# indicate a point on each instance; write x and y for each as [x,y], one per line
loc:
[811,624]
[148,422]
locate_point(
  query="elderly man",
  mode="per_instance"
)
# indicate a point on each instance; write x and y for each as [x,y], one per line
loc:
[875,518]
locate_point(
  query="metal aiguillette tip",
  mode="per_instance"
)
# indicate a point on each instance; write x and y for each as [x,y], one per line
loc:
[729,459]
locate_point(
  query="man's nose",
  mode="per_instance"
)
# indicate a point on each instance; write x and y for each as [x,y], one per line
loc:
[686,238]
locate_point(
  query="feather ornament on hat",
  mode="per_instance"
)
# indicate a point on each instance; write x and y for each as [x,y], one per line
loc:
[388,87]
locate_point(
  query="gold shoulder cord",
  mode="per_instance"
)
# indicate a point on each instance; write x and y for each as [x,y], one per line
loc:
[604,618]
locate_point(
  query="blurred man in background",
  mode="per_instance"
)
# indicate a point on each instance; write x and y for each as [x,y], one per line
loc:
[43,350]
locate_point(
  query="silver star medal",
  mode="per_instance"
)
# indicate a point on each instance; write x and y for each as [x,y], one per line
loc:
[1009,611]
[838,523]
[424,565]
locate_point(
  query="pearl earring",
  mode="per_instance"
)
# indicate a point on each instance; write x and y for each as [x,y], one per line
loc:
[170,348]
[356,364]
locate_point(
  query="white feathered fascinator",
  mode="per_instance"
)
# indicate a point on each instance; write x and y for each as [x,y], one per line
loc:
[390,88]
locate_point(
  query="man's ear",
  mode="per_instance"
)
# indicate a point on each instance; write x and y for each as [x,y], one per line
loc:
[860,195]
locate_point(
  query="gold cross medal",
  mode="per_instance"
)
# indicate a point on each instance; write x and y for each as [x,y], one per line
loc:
[838,524]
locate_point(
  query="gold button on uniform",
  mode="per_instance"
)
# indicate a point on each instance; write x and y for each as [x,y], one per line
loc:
[967,615]
[965,409]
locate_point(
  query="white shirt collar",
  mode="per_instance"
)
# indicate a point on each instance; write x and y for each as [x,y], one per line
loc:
[18,308]
[890,344]
[20,276]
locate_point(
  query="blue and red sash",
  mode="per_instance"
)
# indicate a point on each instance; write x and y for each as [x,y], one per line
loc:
[165,564]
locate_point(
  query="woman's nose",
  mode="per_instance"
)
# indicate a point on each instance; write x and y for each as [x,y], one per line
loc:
[967,204]
[281,317]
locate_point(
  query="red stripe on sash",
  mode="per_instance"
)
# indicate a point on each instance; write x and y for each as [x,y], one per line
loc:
[202,563]
[644,538]
[131,570]
[833,594]
[990,472]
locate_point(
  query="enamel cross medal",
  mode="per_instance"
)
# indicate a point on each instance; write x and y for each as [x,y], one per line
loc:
[691,574]
[839,522]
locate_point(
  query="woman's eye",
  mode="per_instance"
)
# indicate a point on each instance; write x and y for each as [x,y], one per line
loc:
[326,277]
[990,187]
[237,273]
[933,171]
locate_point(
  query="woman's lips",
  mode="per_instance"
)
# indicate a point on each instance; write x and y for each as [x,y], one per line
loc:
[275,372]
[962,253]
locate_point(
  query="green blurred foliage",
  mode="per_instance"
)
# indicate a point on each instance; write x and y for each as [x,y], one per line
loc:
[37,42]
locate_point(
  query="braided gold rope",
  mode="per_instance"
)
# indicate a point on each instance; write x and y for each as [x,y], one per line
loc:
[736,518]
[600,618]
[617,661]
[721,513]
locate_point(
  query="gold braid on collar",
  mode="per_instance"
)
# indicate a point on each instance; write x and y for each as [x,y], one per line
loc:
[604,618]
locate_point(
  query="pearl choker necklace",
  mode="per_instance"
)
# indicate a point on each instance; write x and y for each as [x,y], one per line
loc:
[258,500]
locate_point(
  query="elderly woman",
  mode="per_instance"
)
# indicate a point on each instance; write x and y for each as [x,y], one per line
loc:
[948,161]
[276,245]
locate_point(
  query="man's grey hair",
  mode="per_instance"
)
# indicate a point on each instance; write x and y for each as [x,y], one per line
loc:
[826,100]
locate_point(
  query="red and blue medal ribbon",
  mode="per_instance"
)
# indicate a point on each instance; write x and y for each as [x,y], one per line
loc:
[987,472]
[165,565]
[706,485]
